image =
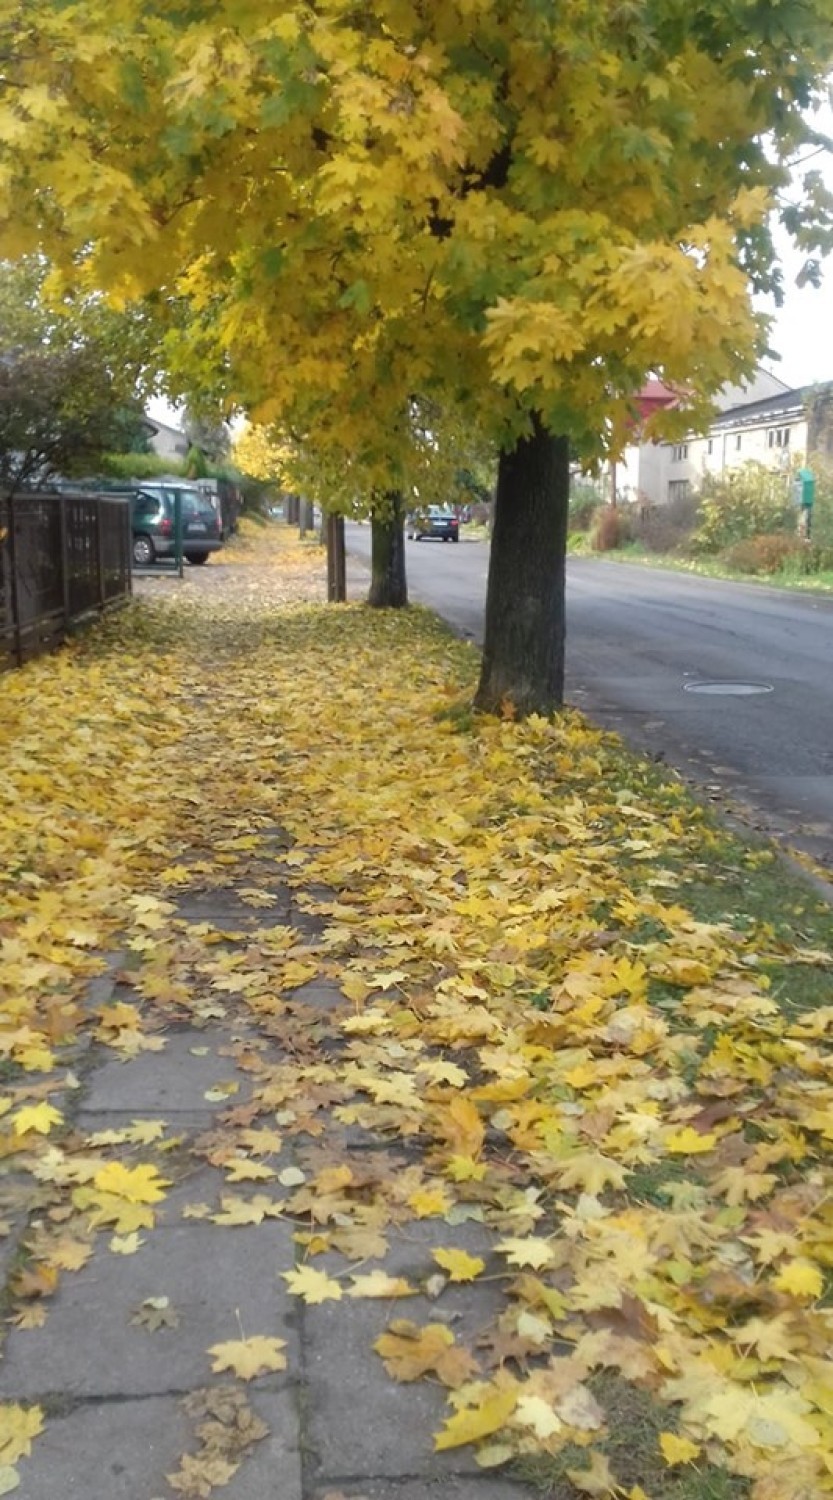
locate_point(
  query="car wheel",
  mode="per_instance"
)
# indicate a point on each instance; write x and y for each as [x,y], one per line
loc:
[455,539]
[197,558]
[143,552]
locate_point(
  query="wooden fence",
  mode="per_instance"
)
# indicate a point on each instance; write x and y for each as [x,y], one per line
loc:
[62,557]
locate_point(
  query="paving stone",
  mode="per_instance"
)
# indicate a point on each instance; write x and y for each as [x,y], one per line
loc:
[218,1280]
[359,1421]
[122,1450]
[321,995]
[485,1487]
[187,1122]
[175,1079]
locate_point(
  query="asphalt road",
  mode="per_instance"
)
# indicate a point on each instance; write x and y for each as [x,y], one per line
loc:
[676,664]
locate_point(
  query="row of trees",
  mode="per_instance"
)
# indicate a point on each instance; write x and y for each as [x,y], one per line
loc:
[362,222]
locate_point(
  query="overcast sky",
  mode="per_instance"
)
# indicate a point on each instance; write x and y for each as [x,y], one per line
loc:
[803,330]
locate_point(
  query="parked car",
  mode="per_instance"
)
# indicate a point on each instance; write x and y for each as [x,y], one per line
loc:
[153,518]
[434,521]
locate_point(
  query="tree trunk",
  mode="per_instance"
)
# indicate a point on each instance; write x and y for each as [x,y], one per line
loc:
[336,560]
[523,650]
[307,520]
[388,584]
[292,510]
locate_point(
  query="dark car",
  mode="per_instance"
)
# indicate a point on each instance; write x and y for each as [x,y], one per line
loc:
[434,521]
[153,509]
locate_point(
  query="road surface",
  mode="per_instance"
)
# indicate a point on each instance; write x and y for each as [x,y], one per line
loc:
[730,683]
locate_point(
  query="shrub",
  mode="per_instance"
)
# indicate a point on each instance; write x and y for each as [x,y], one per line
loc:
[611,528]
[667,528]
[764,554]
[746,502]
[580,516]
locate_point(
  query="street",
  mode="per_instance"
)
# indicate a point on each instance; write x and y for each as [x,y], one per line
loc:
[730,683]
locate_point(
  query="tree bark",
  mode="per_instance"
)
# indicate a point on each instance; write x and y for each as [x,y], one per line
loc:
[336,560]
[523,649]
[292,510]
[307,519]
[388,584]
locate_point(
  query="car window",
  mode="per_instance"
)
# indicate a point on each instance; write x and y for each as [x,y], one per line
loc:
[146,506]
[193,503]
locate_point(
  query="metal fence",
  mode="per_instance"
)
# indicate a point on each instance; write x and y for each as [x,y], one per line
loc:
[62,557]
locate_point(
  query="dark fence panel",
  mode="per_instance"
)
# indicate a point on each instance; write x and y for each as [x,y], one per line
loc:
[61,558]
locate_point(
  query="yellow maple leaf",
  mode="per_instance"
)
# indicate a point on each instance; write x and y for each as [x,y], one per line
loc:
[459,1264]
[536,1413]
[590,1172]
[125,1244]
[409,1352]
[689,1142]
[38,1117]
[249,1357]
[532,1251]
[19,1425]
[474,1422]
[242,1169]
[140,1184]
[314,1286]
[800,1278]
[69,1255]
[677,1450]
[430,1202]
[598,1480]
[379,1284]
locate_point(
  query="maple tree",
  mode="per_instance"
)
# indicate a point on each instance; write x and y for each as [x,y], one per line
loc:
[520,214]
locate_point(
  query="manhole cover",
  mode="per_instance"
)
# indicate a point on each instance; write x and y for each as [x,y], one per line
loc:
[728,689]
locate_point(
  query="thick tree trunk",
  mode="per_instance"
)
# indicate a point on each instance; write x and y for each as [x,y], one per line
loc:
[292,510]
[523,650]
[388,584]
[336,560]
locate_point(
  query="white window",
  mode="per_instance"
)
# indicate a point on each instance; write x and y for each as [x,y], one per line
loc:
[711,446]
[778,437]
[679,452]
[678,489]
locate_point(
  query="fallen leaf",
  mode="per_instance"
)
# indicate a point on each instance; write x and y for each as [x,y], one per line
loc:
[459,1264]
[313,1286]
[474,1422]
[249,1357]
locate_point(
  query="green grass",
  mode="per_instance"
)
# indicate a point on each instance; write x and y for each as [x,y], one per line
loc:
[706,567]
[631,1446]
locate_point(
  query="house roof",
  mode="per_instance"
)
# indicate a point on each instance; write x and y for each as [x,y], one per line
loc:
[754,413]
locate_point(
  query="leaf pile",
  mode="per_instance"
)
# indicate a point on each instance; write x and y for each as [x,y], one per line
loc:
[547,1040]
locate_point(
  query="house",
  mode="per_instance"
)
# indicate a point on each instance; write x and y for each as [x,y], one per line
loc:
[166,441]
[765,422]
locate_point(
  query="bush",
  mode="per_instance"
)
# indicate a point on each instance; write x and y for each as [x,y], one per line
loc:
[611,528]
[746,502]
[764,554]
[584,502]
[667,528]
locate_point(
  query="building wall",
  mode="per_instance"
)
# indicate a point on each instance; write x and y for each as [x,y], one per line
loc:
[168,442]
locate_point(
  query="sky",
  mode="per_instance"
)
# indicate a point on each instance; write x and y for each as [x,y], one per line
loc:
[802,333]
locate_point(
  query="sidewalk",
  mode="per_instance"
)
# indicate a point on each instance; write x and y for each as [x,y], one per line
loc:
[394,1105]
[115,1308]
[122,1367]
